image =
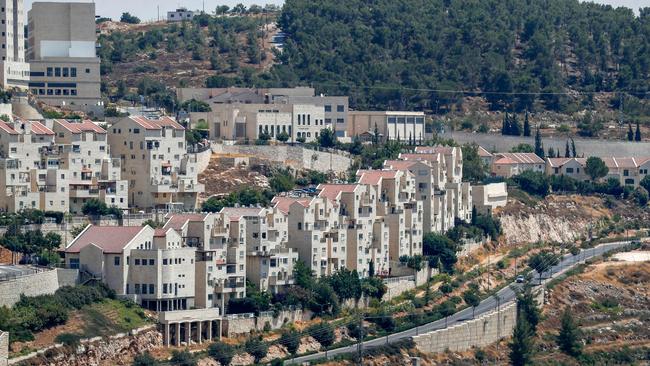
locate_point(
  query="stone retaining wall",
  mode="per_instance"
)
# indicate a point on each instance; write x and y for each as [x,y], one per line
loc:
[296,157]
[601,148]
[243,325]
[4,348]
[42,283]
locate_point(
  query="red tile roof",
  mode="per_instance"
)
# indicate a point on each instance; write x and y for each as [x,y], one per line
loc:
[158,233]
[484,153]
[112,239]
[284,203]
[177,221]
[373,177]
[522,158]
[7,128]
[504,161]
[78,127]
[399,164]
[156,124]
[557,162]
[39,129]
[332,191]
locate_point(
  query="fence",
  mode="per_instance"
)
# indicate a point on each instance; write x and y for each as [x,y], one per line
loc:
[18,272]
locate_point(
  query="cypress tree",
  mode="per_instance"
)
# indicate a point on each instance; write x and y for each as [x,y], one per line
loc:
[630,133]
[573,148]
[515,129]
[526,125]
[521,347]
[504,126]
[637,134]
[569,338]
[557,153]
[539,146]
[567,152]
[551,152]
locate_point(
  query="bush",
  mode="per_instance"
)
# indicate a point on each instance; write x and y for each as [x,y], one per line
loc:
[291,340]
[68,339]
[323,333]
[183,358]
[536,183]
[221,352]
[256,348]
[145,359]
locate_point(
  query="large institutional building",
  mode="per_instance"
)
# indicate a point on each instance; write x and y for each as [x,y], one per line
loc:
[14,69]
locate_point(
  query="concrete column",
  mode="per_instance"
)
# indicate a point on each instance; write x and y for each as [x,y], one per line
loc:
[178,334]
[210,331]
[199,331]
[167,342]
[188,332]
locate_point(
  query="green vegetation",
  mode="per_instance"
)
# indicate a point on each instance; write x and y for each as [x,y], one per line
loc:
[130,19]
[569,339]
[257,348]
[522,345]
[33,314]
[596,168]
[221,352]
[30,243]
[145,359]
[183,358]
[377,51]
[95,207]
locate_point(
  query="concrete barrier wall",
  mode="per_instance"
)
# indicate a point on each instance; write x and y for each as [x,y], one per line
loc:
[601,148]
[203,160]
[4,348]
[478,332]
[42,283]
[294,156]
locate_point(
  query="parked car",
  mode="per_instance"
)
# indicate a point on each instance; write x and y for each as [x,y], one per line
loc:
[520,279]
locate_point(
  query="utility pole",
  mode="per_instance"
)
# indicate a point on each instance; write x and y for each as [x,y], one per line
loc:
[360,341]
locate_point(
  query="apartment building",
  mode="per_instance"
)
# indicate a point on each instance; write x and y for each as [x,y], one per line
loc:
[153,267]
[401,209]
[154,160]
[83,150]
[64,67]
[13,68]
[367,232]
[487,197]
[391,125]
[628,171]
[315,232]
[180,15]
[269,262]
[30,177]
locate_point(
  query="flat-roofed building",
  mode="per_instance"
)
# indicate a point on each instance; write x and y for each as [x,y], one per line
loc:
[14,70]
[180,15]
[390,125]
[487,197]
[61,51]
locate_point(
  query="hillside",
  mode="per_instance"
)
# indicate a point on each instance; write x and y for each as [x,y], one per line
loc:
[383,53]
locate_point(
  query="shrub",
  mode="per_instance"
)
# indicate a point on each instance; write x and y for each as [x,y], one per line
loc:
[323,333]
[256,348]
[221,352]
[183,358]
[291,340]
[68,339]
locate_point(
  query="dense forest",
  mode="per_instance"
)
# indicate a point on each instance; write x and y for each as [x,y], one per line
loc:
[383,53]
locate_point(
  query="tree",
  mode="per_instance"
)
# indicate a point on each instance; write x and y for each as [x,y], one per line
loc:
[222,9]
[645,183]
[526,125]
[326,138]
[346,283]
[282,136]
[630,133]
[303,275]
[446,288]
[640,196]
[536,183]
[569,340]
[573,148]
[145,359]
[221,352]
[291,340]
[472,299]
[567,152]
[522,148]
[539,146]
[194,105]
[474,170]
[256,348]
[183,358]
[440,248]
[130,19]
[637,133]
[543,261]
[551,152]
[521,346]
[596,168]
[528,307]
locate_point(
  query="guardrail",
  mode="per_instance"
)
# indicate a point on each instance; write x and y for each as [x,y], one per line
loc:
[24,272]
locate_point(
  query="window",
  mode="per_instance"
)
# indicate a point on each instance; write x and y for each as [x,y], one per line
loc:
[74,263]
[137,262]
[164,261]
[66,72]
[137,288]
[328,108]
[116,260]
[73,72]
[57,71]
[340,108]
[151,262]
[340,120]
[87,71]
[151,288]
[569,170]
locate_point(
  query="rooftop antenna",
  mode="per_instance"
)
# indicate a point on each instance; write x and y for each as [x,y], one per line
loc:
[158,12]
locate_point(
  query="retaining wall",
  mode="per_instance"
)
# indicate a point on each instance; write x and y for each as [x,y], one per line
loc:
[4,348]
[244,323]
[42,283]
[296,157]
[478,332]
[203,160]
[601,148]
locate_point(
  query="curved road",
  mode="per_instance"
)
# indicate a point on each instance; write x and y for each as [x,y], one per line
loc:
[505,295]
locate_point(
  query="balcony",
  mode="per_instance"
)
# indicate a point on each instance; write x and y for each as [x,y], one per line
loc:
[230,285]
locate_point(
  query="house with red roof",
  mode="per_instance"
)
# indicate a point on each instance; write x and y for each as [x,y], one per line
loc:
[155,162]
[629,171]
[94,173]
[153,267]
[510,164]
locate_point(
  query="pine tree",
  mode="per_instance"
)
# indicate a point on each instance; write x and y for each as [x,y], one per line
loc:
[630,133]
[567,152]
[637,134]
[569,338]
[515,129]
[557,153]
[521,347]
[573,148]
[551,152]
[526,125]
[539,146]
[528,308]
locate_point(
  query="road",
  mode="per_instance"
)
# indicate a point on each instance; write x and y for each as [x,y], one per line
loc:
[505,295]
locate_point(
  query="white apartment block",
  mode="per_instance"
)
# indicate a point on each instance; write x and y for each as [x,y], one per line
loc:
[269,262]
[391,125]
[154,268]
[84,152]
[30,177]
[488,197]
[14,71]
[154,160]
[316,232]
